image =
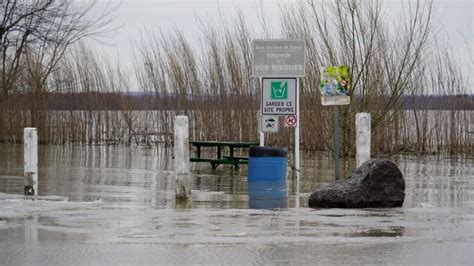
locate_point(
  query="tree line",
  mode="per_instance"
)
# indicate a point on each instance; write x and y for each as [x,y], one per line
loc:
[138,101]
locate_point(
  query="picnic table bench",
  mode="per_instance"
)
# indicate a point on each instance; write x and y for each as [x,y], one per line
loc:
[220,159]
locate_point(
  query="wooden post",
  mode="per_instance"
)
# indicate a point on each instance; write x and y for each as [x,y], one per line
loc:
[181,157]
[363,132]
[30,143]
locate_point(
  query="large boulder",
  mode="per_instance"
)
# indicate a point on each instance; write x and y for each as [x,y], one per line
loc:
[376,183]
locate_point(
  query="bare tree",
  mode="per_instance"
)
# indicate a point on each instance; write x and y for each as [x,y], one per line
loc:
[384,59]
[34,34]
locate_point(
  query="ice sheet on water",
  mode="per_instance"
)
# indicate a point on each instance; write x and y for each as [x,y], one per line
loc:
[5,225]
[12,205]
[4,196]
[215,196]
[426,205]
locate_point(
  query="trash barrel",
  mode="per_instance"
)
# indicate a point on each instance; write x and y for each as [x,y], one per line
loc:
[267,177]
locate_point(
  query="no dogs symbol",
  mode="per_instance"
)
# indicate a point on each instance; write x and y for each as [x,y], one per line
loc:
[290,121]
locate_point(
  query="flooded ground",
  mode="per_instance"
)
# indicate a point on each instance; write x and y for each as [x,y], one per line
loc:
[115,205]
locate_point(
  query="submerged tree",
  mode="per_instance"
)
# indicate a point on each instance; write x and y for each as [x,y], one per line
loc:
[385,59]
[34,34]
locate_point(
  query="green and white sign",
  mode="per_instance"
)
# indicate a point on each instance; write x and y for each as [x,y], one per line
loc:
[278,96]
[279,90]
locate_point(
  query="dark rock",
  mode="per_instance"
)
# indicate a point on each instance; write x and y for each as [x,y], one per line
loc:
[376,183]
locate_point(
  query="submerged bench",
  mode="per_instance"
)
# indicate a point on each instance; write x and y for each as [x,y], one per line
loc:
[220,159]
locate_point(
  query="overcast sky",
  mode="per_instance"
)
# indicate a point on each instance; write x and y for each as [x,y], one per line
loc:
[455,17]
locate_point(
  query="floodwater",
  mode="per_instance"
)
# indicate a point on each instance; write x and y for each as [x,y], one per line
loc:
[115,205]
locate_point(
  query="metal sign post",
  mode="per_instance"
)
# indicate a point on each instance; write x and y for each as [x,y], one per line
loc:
[280,96]
[260,131]
[297,145]
[278,64]
[336,142]
[335,90]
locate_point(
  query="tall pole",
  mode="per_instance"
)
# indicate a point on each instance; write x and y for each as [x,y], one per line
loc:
[336,141]
[297,144]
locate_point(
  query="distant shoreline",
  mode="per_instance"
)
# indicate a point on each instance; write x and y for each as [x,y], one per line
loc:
[152,101]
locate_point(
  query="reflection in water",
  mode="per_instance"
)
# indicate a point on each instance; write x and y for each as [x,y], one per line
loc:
[395,231]
[259,236]
[438,182]
[141,175]
[119,207]
[267,194]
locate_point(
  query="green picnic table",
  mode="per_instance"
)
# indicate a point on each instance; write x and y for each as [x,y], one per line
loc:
[220,159]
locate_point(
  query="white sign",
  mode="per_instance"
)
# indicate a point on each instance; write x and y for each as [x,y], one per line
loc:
[290,121]
[270,123]
[278,58]
[278,96]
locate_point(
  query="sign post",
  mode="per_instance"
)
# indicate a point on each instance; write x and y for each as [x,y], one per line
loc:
[335,90]
[278,64]
[336,142]
[297,149]
[260,115]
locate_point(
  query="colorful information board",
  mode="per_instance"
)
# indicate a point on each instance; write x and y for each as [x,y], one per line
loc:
[335,85]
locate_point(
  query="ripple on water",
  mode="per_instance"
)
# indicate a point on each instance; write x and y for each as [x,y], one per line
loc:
[127,215]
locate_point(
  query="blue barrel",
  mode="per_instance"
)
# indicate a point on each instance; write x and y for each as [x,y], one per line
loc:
[267,177]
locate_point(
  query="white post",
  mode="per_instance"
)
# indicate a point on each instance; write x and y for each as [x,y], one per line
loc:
[363,132]
[297,144]
[181,157]
[30,144]
[262,134]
